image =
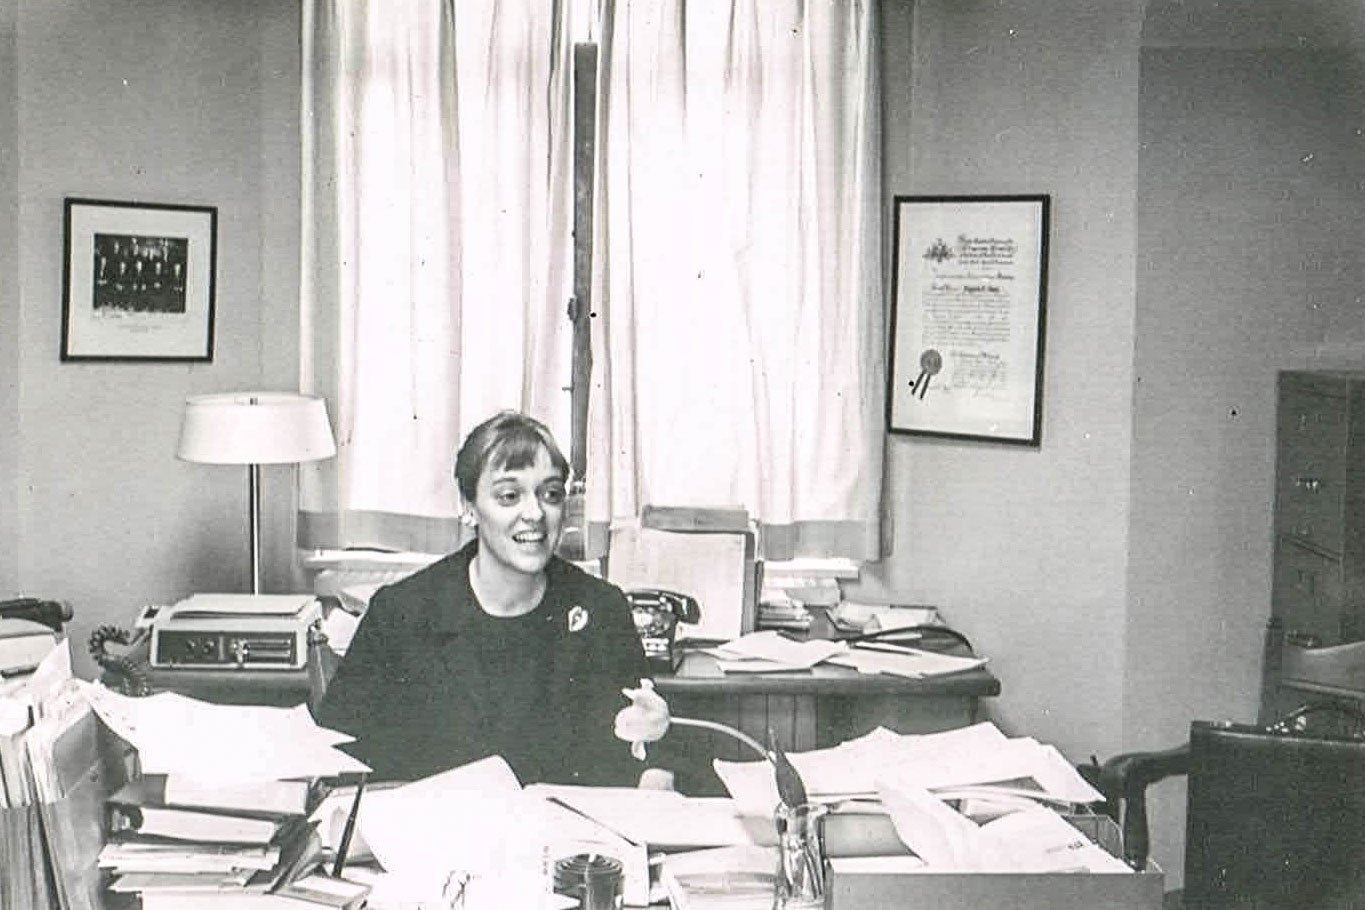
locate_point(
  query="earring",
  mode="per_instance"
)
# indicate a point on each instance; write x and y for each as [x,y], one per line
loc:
[468,520]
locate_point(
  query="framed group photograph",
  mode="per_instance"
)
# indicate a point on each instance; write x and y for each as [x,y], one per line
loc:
[969,301]
[139,281]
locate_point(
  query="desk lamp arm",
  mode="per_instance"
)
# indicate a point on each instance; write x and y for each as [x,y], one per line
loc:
[790,788]
[727,730]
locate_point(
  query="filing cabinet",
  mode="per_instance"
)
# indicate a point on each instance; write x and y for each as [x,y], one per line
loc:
[1318,592]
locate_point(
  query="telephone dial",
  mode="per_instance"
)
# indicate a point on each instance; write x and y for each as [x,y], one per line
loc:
[657,613]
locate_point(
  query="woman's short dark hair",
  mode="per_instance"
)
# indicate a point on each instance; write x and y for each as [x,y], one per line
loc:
[508,439]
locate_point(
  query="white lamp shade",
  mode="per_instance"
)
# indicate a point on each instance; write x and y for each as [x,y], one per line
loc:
[255,428]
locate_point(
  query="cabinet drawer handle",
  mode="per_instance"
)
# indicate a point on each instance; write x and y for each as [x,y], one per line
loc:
[1302,639]
[1310,484]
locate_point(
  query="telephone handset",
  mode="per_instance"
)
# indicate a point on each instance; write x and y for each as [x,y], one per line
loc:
[51,613]
[657,613]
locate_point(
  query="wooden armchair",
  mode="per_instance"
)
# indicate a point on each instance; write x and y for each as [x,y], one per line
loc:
[1275,815]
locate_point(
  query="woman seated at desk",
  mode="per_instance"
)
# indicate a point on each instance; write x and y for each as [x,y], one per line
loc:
[500,648]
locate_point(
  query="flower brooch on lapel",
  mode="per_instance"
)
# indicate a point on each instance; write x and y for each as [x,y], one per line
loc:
[578,619]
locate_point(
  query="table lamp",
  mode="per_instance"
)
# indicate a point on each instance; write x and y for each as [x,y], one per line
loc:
[252,429]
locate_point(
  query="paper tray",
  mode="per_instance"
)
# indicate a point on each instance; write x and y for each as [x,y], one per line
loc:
[1004,890]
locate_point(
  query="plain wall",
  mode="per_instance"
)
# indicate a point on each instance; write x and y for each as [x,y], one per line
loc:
[149,100]
[1025,549]
[9,303]
[1206,213]
[1250,213]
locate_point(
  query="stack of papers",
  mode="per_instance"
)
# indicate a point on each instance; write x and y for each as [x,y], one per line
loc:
[977,762]
[24,701]
[222,744]
[660,819]
[244,605]
[970,799]
[60,764]
[733,878]
[228,786]
[772,652]
[472,831]
[899,660]
[1035,839]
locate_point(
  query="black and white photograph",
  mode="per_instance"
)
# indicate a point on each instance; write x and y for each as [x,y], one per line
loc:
[682,454]
[139,281]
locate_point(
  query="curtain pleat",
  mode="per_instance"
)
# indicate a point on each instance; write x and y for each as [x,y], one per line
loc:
[435,232]
[739,353]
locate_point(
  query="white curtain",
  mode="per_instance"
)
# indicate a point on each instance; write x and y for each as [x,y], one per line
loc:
[739,345]
[435,248]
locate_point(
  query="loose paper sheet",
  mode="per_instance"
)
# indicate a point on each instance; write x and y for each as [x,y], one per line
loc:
[658,818]
[224,744]
[912,663]
[976,755]
[769,650]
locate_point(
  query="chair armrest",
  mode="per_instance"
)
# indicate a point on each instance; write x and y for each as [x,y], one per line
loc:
[1124,779]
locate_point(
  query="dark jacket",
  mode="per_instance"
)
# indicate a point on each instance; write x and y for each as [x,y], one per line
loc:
[412,691]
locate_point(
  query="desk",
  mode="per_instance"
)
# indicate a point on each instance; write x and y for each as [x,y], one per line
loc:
[807,709]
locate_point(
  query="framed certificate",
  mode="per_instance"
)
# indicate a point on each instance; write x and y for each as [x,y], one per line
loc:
[968,317]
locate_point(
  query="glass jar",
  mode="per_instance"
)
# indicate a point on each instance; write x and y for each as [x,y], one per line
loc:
[800,856]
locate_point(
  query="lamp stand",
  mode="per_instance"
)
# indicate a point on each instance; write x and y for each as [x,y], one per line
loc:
[254,530]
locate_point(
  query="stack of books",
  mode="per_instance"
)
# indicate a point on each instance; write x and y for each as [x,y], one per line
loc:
[791,587]
[178,843]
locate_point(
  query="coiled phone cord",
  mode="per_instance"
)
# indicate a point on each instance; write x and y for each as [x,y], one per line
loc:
[128,676]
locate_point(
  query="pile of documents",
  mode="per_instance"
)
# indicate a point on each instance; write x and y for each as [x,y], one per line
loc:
[37,837]
[218,816]
[742,877]
[772,651]
[471,837]
[970,799]
[168,841]
[791,586]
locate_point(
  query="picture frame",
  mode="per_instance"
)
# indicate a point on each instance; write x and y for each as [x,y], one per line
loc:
[968,317]
[139,281]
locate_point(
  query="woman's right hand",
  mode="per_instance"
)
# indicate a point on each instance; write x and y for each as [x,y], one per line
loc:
[644,720]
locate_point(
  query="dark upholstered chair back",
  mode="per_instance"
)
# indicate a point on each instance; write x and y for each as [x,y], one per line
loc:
[1274,820]
[1275,815]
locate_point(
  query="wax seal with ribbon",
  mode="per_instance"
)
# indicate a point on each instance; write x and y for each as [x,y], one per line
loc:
[930,363]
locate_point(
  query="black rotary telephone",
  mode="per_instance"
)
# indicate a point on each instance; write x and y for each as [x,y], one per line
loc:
[657,613]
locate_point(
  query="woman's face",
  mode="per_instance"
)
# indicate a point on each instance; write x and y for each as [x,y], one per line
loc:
[520,514]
